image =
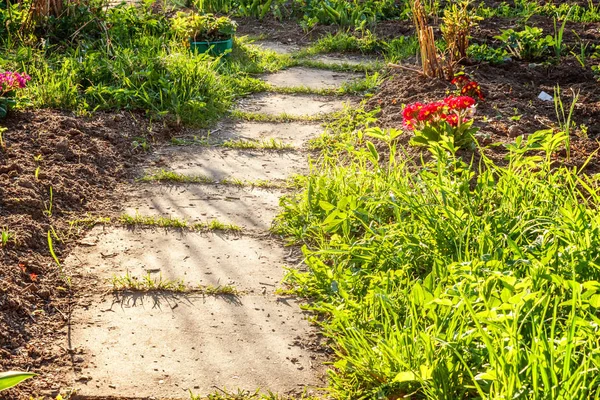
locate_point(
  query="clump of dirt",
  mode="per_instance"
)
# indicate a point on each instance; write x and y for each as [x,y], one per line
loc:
[54,168]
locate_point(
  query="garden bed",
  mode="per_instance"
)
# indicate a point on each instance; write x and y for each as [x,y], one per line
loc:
[83,160]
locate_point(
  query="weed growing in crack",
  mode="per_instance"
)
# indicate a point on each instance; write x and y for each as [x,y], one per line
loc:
[89,221]
[268,144]
[146,283]
[283,117]
[156,221]
[216,225]
[149,283]
[171,176]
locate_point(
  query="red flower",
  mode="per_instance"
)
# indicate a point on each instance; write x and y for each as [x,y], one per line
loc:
[459,103]
[452,119]
[410,114]
[33,276]
[459,80]
[429,110]
[472,89]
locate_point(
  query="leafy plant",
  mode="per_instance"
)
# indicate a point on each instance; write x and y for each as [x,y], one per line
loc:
[10,82]
[565,119]
[207,27]
[448,121]
[482,52]
[457,24]
[558,36]
[528,44]
[445,280]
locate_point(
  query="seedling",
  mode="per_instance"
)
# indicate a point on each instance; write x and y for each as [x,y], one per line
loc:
[6,236]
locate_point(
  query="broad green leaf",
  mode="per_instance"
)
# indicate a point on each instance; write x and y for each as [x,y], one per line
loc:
[12,378]
[441,302]
[373,151]
[595,301]
[405,376]
[488,376]
[326,206]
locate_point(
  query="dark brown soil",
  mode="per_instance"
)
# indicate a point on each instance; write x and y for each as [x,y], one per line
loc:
[512,106]
[80,161]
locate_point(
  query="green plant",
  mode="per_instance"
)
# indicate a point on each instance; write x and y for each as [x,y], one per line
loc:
[153,221]
[2,130]
[48,206]
[13,378]
[456,28]
[203,28]
[482,52]
[447,121]
[271,144]
[6,236]
[528,44]
[565,120]
[10,82]
[558,36]
[449,280]
[174,177]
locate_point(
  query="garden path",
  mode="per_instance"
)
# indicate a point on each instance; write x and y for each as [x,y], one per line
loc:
[161,343]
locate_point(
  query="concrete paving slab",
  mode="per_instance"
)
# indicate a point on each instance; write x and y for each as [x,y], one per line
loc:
[163,345]
[310,78]
[253,209]
[251,264]
[293,133]
[290,104]
[222,163]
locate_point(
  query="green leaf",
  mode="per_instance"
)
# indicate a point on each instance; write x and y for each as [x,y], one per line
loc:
[405,376]
[488,376]
[13,378]
[441,302]
[595,301]
[326,206]
[374,153]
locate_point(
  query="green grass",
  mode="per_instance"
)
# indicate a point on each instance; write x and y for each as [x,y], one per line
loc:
[448,280]
[266,144]
[147,283]
[175,177]
[240,394]
[139,220]
[153,221]
[283,117]
[89,221]
[215,225]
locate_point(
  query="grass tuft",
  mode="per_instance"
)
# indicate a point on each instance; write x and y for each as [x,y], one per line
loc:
[147,283]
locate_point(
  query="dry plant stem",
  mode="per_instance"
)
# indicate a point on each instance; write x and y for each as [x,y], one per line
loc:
[430,60]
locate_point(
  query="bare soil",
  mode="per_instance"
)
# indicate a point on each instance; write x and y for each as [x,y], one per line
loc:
[511,106]
[82,160]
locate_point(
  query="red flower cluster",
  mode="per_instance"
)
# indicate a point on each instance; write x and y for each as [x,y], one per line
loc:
[452,110]
[467,87]
[12,80]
